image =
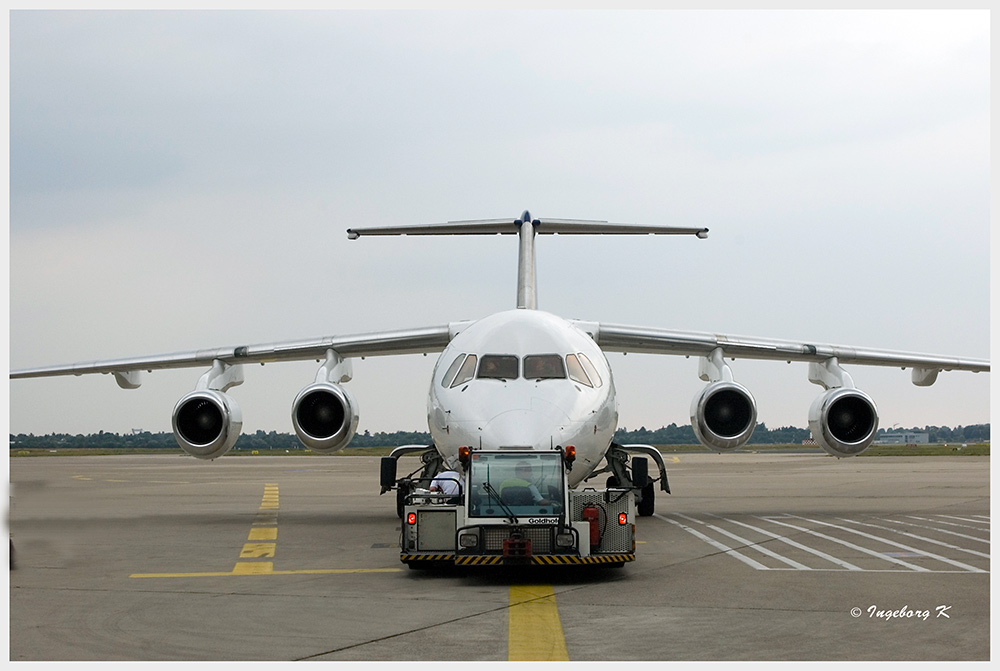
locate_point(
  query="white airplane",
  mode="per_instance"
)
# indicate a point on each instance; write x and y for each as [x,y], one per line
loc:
[524,379]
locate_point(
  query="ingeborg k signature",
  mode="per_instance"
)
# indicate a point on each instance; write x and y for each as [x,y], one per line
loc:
[876,613]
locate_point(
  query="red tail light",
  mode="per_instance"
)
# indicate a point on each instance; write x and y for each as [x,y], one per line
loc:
[411,518]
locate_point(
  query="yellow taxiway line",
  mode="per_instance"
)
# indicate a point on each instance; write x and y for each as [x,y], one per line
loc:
[261,568]
[265,528]
[534,632]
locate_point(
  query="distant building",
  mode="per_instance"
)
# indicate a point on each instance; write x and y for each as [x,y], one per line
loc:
[905,438]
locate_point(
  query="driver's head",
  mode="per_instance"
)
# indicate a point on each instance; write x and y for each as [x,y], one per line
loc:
[522,470]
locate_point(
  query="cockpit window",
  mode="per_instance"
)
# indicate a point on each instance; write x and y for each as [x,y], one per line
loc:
[467,371]
[498,367]
[507,367]
[591,370]
[451,370]
[544,367]
[576,372]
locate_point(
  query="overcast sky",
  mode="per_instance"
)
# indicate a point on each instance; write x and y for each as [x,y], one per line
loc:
[184,180]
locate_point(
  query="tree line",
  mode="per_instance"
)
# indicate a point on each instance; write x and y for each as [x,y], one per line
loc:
[790,435]
[273,441]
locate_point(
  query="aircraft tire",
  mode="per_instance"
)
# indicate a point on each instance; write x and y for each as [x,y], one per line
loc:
[640,479]
[646,506]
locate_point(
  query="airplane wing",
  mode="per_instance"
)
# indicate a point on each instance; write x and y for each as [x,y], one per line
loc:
[207,421]
[842,420]
[620,338]
[408,341]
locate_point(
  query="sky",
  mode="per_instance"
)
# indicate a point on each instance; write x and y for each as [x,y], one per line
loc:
[184,180]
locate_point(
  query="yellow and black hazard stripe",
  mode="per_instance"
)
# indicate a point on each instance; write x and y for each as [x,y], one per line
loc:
[548,560]
[479,560]
[443,557]
[571,559]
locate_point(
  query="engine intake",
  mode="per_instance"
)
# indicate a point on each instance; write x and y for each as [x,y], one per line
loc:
[325,417]
[843,421]
[207,423]
[723,416]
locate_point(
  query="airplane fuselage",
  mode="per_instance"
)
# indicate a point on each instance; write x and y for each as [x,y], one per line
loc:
[524,379]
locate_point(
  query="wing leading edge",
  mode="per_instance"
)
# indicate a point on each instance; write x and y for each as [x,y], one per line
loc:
[620,338]
[407,341]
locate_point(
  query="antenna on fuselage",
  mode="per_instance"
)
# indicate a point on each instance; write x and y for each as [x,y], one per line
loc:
[527,295]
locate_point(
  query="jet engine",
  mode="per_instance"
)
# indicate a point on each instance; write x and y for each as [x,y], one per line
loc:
[723,415]
[207,423]
[843,421]
[325,417]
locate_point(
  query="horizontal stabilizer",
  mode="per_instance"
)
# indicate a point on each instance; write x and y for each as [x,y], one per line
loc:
[587,227]
[526,294]
[541,226]
[477,227]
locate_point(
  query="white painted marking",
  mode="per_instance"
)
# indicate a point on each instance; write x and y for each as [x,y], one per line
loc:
[951,524]
[908,548]
[940,531]
[920,538]
[728,550]
[873,553]
[962,519]
[830,558]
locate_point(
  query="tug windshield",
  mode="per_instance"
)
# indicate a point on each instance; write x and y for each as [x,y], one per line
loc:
[518,484]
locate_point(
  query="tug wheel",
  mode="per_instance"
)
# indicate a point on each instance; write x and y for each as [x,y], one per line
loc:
[401,493]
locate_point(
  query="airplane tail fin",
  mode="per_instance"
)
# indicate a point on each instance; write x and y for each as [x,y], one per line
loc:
[526,292]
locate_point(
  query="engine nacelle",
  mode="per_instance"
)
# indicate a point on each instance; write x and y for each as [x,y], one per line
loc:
[723,415]
[325,417]
[207,423]
[843,421]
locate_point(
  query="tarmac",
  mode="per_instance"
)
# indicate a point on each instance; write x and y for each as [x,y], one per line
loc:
[753,557]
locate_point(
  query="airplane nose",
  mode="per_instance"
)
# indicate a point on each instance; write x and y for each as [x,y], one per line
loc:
[522,428]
